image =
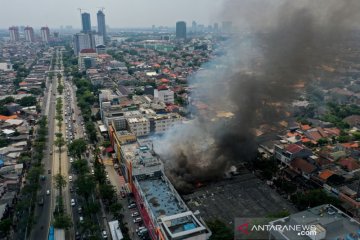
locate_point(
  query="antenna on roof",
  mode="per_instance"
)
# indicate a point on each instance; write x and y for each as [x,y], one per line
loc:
[101,8]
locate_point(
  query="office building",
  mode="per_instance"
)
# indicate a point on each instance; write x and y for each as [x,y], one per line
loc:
[81,41]
[86,23]
[164,213]
[101,25]
[97,40]
[324,222]
[14,34]
[164,94]
[45,34]
[194,26]
[181,30]
[87,58]
[29,34]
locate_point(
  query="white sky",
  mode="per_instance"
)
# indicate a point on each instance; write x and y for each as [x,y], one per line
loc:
[119,13]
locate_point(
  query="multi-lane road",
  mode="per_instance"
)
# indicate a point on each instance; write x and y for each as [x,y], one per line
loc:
[43,213]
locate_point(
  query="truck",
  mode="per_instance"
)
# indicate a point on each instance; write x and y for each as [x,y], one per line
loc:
[115,230]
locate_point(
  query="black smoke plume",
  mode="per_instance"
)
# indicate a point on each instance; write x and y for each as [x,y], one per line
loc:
[276,46]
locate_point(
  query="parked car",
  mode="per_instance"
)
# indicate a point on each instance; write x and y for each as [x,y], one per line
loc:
[139,229]
[48,192]
[142,232]
[81,219]
[135,214]
[70,178]
[132,205]
[72,202]
[137,220]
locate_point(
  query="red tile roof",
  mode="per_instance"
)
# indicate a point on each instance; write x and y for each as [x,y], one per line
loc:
[2,117]
[326,174]
[303,165]
[349,163]
[294,148]
[88,50]
[162,87]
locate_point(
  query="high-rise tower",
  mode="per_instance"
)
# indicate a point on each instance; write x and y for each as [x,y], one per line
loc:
[101,24]
[86,23]
[181,30]
[45,34]
[14,34]
[29,34]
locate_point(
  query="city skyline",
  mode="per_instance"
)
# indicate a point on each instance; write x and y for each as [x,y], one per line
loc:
[117,14]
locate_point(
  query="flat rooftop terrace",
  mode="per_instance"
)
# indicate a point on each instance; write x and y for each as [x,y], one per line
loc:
[160,197]
[336,223]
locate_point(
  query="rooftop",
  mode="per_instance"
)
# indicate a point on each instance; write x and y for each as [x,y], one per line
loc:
[181,225]
[161,198]
[142,157]
[336,223]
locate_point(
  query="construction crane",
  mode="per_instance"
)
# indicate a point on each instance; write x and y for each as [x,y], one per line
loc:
[81,9]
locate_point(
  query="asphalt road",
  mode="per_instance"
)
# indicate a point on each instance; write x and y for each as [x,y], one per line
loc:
[42,213]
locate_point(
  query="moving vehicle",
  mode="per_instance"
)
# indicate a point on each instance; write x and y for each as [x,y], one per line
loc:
[41,201]
[104,234]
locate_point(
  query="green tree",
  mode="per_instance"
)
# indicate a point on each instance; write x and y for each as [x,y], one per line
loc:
[27,101]
[115,209]
[107,192]
[77,147]
[81,166]
[5,226]
[106,144]
[62,221]
[60,181]
[219,230]
[314,198]
[86,185]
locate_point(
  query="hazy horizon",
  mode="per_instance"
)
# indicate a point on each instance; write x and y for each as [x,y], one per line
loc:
[124,14]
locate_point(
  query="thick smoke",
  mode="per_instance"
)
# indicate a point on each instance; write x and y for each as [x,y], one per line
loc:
[277,45]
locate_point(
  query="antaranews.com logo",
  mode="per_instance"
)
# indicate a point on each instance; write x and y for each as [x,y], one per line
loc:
[266,228]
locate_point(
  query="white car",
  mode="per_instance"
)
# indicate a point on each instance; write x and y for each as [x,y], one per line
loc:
[104,234]
[71,160]
[70,178]
[135,214]
[72,202]
[81,219]
[48,192]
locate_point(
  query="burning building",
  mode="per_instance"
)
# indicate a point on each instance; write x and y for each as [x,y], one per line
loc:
[164,213]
